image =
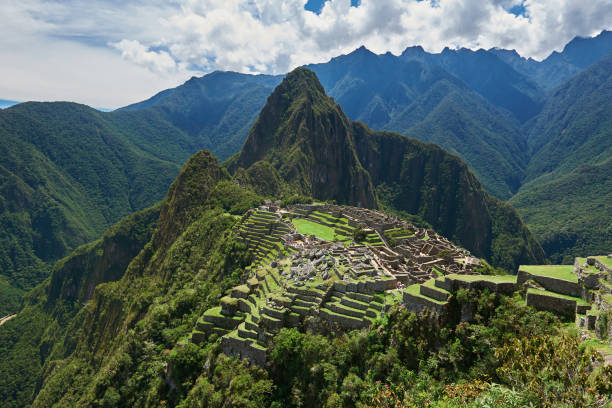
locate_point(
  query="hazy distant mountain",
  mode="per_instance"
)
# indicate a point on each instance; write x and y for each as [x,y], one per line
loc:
[488,75]
[557,67]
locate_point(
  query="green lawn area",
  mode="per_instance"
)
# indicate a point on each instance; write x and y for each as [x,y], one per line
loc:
[308,227]
[564,272]
[432,284]
[597,345]
[416,291]
[554,294]
[488,278]
[605,260]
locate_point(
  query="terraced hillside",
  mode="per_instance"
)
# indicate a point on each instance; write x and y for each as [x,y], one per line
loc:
[324,266]
[329,267]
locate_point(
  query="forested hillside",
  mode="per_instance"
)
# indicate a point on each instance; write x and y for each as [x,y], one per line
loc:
[566,200]
[66,174]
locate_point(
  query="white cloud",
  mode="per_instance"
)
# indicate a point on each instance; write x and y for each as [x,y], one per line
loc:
[158,62]
[145,45]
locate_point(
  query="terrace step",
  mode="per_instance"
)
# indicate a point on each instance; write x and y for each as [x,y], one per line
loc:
[301,310]
[355,304]
[303,303]
[209,328]
[343,320]
[434,292]
[345,310]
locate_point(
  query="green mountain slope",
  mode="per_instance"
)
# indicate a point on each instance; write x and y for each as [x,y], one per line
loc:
[464,124]
[216,111]
[566,198]
[572,214]
[307,138]
[53,312]
[66,174]
[575,125]
[168,258]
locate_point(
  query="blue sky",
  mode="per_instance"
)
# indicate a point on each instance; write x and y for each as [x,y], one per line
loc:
[316,5]
[110,53]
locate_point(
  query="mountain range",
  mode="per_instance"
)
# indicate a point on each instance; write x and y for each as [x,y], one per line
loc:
[110,309]
[524,128]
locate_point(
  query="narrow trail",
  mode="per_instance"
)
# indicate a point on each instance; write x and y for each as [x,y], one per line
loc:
[6,319]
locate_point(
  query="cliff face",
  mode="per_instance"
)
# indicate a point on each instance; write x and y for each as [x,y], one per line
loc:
[423,179]
[307,138]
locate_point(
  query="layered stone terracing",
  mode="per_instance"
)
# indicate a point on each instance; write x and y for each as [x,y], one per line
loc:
[308,271]
[261,231]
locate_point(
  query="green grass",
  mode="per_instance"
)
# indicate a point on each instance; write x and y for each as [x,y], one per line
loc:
[597,345]
[564,272]
[414,290]
[331,218]
[605,260]
[432,284]
[437,271]
[578,300]
[308,227]
[487,278]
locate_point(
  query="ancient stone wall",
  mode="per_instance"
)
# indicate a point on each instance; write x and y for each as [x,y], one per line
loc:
[551,284]
[553,304]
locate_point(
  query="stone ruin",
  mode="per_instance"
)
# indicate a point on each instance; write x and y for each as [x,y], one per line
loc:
[298,279]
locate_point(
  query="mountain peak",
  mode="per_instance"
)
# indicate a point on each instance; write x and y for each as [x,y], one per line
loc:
[415,50]
[307,138]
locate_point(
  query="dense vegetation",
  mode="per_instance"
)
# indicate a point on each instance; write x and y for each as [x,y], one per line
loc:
[567,201]
[67,173]
[571,215]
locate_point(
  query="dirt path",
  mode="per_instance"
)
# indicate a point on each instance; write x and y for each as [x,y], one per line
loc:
[6,319]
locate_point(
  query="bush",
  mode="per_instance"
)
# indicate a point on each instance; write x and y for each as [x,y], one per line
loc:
[359,234]
[295,199]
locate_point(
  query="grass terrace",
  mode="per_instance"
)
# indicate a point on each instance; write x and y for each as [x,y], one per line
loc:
[307,227]
[564,272]
[578,300]
[330,218]
[487,278]
[415,290]
[398,233]
[605,260]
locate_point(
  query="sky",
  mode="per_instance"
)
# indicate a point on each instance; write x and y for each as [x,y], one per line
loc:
[110,53]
